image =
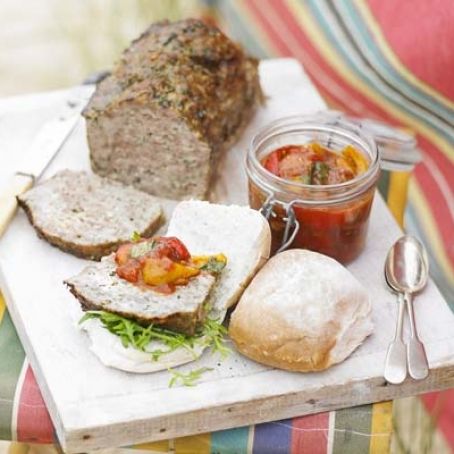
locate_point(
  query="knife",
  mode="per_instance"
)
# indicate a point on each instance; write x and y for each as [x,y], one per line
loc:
[45,146]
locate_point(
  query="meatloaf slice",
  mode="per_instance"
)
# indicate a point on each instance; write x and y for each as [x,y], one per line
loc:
[97,287]
[181,93]
[87,215]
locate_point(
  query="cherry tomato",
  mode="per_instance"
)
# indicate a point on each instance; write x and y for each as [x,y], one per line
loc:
[159,263]
[173,248]
[272,163]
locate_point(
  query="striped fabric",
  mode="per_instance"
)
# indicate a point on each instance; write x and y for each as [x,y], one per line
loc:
[379,59]
[393,61]
[23,414]
[365,58]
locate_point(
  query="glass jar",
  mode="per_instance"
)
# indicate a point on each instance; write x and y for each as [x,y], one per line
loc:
[330,219]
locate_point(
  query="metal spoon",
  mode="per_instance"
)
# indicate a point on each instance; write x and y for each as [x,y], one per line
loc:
[406,272]
[396,357]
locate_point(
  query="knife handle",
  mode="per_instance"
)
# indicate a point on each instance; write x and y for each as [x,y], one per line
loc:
[18,184]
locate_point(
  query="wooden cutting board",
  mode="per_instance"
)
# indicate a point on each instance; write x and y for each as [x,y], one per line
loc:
[93,406]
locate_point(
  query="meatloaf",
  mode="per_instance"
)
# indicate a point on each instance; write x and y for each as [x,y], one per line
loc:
[180,94]
[89,216]
[97,287]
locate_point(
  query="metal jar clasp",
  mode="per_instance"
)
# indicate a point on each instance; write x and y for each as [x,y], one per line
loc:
[292,225]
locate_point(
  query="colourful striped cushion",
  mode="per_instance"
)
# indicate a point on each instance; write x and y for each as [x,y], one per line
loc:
[380,59]
[387,60]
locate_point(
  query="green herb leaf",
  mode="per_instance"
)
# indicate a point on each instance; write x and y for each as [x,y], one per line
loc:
[87,316]
[171,37]
[319,173]
[214,334]
[140,249]
[136,336]
[188,378]
[135,237]
[211,334]
[213,265]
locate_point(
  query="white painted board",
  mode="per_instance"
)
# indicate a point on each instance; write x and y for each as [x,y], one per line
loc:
[93,406]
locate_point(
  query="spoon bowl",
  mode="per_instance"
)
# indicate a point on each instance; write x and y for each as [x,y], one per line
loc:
[406,267]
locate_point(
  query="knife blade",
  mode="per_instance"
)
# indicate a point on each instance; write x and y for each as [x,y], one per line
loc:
[51,137]
[42,151]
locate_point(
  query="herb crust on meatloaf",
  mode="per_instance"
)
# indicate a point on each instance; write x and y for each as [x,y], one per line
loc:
[180,94]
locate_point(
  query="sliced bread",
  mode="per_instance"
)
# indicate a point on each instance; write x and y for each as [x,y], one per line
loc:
[87,215]
[242,234]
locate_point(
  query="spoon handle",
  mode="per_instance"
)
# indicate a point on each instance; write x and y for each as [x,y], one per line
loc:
[418,366]
[396,358]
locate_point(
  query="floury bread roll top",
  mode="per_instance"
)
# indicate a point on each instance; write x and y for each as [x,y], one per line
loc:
[303,312]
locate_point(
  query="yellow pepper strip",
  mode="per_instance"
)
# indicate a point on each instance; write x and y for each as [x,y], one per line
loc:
[201,260]
[356,161]
[155,274]
[317,148]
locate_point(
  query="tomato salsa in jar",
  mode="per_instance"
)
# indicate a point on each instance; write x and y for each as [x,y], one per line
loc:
[315,181]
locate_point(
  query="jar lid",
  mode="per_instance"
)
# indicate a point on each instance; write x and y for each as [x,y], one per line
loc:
[398,149]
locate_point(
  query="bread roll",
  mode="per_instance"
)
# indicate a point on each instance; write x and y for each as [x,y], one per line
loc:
[303,312]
